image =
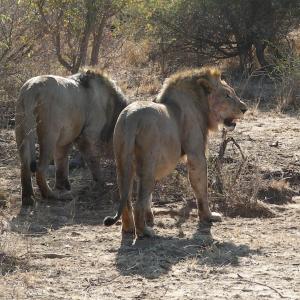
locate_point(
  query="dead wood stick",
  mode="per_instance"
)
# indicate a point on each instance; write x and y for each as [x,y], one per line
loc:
[219,161]
[262,284]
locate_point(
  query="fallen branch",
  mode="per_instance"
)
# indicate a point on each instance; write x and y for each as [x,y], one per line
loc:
[98,281]
[262,284]
[50,255]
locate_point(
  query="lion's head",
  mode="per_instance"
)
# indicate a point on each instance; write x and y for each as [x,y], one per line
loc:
[215,99]
[225,107]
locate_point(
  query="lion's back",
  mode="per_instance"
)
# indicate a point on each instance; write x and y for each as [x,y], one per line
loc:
[51,88]
[154,130]
[144,113]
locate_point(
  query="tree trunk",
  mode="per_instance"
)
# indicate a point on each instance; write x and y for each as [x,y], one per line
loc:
[260,54]
[246,59]
[57,44]
[88,28]
[98,37]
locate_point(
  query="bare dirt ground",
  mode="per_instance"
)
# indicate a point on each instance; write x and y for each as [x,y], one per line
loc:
[61,250]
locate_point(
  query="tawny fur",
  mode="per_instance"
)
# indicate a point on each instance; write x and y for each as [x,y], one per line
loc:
[151,137]
[81,109]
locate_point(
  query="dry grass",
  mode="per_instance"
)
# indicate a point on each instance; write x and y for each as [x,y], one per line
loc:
[235,181]
[149,88]
[136,55]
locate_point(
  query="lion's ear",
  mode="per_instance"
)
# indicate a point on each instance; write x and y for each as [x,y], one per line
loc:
[206,85]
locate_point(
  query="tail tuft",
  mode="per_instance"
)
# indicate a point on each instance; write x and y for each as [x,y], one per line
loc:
[108,221]
[33,166]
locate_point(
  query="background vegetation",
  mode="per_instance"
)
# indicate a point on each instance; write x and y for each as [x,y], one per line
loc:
[39,36]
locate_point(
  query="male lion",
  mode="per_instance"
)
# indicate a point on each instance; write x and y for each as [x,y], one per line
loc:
[81,109]
[151,137]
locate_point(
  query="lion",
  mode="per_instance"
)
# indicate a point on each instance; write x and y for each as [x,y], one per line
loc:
[80,109]
[151,137]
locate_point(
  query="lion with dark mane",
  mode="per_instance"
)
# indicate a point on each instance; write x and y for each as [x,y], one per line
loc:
[81,109]
[151,137]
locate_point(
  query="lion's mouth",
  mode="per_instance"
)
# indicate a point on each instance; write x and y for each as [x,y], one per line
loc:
[230,123]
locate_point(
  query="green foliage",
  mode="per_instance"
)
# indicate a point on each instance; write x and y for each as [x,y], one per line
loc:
[212,29]
[183,32]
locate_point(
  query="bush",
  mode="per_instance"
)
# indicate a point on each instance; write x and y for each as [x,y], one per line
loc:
[288,85]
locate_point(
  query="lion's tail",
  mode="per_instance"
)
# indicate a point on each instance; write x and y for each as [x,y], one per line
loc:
[24,129]
[125,169]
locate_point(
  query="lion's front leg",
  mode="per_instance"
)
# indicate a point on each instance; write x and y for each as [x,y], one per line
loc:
[197,169]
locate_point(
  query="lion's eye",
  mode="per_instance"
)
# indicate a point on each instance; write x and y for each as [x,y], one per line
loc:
[228,96]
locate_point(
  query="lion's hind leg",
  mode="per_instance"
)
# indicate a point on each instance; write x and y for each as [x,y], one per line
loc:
[141,210]
[127,219]
[125,184]
[25,144]
[126,193]
[149,213]
[47,138]
[62,184]
[27,191]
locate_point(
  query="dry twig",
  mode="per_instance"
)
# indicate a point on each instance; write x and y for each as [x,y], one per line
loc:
[262,284]
[220,159]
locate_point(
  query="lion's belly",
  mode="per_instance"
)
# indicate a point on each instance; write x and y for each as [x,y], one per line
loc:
[164,169]
[168,158]
[156,155]
[71,128]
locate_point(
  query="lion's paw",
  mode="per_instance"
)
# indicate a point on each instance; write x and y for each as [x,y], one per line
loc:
[213,217]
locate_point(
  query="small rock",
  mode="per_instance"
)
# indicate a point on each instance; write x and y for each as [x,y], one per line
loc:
[274,144]
[74,233]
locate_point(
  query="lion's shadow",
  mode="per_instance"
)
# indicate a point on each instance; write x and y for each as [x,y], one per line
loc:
[151,258]
[89,207]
